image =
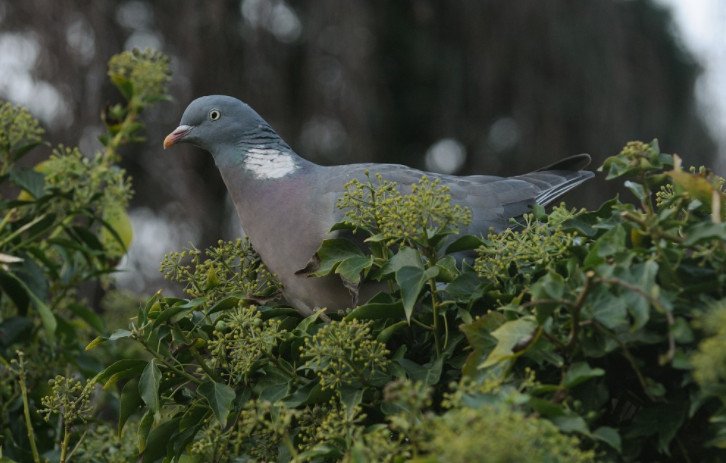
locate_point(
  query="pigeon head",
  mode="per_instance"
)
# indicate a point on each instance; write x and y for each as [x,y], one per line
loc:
[214,121]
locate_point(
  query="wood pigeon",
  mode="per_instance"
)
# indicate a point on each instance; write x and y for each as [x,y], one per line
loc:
[287,204]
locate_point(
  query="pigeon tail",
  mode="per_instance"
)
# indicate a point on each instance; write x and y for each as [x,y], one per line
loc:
[572,179]
[557,179]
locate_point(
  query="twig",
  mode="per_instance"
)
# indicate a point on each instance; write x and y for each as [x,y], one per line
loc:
[629,357]
[26,408]
[654,231]
[577,307]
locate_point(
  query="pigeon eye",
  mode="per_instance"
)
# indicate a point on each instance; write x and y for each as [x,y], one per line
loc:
[214,114]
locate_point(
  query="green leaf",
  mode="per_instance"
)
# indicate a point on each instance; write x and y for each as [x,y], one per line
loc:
[120,334]
[509,336]
[636,188]
[117,227]
[159,441]
[129,366]
[550,286]
[608,435]
[46,315]
[479,332]
[274,386]
[145,424]
[178,310]
[405,257]
[377,310]
[220,398]
[350,397]
[309,393]
[705,231]
[29,180]
[608,244]
[331,253]
[13,329]
[662,420]
[129,402]
[15,291]
[607,308]
[571,423]
[411,281]
[385,334]
[464,243]
[350,269]
[149,385]
[585,223]
[467,286]
[225,304]
[88,316]
[193,415]
[447,269]
[580,372]
[428,373]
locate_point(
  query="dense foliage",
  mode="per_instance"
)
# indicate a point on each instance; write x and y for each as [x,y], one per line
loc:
[63,229]
[574,336]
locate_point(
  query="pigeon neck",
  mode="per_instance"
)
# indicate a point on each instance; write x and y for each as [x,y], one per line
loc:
[261,154]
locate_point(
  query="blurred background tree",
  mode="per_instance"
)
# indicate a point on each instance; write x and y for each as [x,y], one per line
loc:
[465,86]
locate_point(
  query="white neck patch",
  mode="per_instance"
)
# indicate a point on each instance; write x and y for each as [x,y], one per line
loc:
[266,163]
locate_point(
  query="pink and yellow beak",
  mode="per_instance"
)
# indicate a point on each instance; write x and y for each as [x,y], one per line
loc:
[178,133]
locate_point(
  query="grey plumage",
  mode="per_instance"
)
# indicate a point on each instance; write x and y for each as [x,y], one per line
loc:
[287,204]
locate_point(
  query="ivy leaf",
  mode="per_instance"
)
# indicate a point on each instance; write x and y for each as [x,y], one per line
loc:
[608,435]
[429,373]
[330,254]
[608,244]
[464,243]
[23,292]
[580,372]
[159,441]
[636,188]
[340,256]
[467,286]
[662,420]
[149,385]
[220,398]
[607,308]
[405,257]
[29,180]
[706,231]
[377,310]
[509,335]
[411,280]
[129,402]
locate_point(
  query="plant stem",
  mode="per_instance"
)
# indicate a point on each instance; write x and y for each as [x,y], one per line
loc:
[421,324]
[203,364]
[435,309]
[66,441]
[576,309]
[78,444]
[654,231]
[26,408]
[109,155]
[179,371]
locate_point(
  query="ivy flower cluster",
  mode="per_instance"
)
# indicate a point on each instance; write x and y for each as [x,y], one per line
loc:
[230,267]
[385,212]
[344,352]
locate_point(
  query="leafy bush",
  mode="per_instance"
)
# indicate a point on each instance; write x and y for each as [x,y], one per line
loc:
[61,237]
[575,336]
